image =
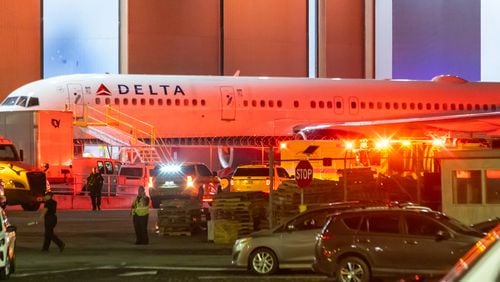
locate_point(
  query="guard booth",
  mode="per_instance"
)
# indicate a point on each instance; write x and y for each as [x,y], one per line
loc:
[470,184]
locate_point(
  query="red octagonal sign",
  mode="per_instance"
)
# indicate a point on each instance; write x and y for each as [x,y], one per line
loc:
[304,173]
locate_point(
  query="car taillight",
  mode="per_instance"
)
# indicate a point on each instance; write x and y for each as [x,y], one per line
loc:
[326,236]
[189,181]
[268,181]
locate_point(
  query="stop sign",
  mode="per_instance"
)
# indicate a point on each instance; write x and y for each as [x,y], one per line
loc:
[304,173]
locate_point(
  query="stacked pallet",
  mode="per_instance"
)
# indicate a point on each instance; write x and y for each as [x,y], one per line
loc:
[287,198]
[178,216]
[236,214]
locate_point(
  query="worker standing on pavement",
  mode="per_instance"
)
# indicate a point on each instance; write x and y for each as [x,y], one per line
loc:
[50,221]
[140,213]
[94,184]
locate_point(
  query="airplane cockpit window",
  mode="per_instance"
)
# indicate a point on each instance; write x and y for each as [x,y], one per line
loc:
[22,101]
[33,101]
[10,101]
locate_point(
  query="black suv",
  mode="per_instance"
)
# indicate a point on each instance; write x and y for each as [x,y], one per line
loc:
[359,244]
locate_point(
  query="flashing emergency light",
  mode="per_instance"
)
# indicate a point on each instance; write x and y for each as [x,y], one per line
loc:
[170,168]
[349,145]
[383,144]
[438,142]
[406,143]
[283,145]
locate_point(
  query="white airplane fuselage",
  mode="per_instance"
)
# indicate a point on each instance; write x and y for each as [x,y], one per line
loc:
[217,106]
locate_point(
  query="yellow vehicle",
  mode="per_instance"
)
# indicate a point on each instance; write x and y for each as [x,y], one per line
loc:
[256,178]
[24,184]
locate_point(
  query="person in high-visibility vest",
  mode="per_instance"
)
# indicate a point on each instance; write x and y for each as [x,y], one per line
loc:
[140,213]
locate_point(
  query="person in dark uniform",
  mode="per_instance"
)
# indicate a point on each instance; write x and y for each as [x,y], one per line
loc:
[94,184]
[140,213]
[50,221]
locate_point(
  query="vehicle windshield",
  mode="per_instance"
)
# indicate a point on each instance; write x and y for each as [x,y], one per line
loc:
[131,171]
[8,153]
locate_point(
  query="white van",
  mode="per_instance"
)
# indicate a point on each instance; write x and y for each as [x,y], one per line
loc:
[131,176]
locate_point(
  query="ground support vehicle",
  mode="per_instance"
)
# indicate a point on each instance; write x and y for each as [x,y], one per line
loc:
[24,184]
[256,178]
[358,245]
[180,180]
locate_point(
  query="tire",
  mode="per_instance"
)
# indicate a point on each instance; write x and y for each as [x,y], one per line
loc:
[6,270]
[263,262]
[353,269]
[33,206]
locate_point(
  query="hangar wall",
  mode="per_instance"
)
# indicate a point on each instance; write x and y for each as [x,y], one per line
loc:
[20,52]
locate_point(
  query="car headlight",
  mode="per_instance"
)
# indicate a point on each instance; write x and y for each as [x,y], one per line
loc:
[239,244]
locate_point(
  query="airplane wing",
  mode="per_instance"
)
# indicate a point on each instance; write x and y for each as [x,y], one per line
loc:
[487,123]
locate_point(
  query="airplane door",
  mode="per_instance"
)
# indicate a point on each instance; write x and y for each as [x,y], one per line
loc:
[353,105]
[76,100]
[228,103]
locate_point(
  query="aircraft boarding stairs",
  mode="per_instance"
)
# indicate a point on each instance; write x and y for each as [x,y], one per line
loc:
[129,134]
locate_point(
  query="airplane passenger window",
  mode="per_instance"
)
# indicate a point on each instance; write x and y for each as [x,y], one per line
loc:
[107,101]
[493,108]
[428,106]
[245,103]
[33,101]
[404,106]
[262,103]
[160,102]
[363,105]
[354,105]
[143,101]
[194,102]
[436,106]
[186,102]
[117,101]
[151,101]
[387,105]
[412,106]
[469,107]
[379,105]
[203,102]
[321,104]
[125,101]
[296,104]
[279,103]
[338,105]
[485,107]
[477,107]
[420,106]
[461,107]
[313,104]
[453,107]
[371,106]
[445,107]
[134,101]
[169,102]
[177,102]
[254,103]
[97,101]
[329,104]
[395,105]
[270,103]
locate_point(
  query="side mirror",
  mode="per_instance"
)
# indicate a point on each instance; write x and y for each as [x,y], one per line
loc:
[11,228]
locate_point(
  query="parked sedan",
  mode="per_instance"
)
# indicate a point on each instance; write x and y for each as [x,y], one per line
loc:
[289,245]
